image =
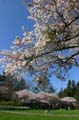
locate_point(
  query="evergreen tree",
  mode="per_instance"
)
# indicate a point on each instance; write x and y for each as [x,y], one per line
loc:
[77,92]
[61,93]
[70,90]
[73,88]
[10,86]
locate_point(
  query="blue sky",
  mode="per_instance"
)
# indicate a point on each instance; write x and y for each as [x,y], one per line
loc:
[13,15]
[73,75]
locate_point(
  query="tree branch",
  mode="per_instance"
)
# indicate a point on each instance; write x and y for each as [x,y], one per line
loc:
[71,57]
[67,25]
[49,52]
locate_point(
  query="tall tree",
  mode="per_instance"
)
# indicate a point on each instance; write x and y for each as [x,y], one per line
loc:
[70,90]
[54,43]
[77,92]
[9,85]
[43,84]
[74,88]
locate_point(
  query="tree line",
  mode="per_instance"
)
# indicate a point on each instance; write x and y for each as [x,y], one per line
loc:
[8,86]
[72,90]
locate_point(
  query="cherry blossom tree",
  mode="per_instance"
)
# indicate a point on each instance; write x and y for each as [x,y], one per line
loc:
[52,48]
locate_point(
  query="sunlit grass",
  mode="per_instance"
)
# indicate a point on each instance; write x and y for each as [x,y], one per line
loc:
[39,115]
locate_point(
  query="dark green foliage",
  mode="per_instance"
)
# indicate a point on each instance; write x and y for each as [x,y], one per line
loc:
[9,85]
[72,90]
[77,92]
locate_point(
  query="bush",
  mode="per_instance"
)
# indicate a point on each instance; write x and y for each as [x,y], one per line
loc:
[13,108]
[12,105]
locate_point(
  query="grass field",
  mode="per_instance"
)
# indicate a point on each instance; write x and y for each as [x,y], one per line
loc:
[39,115]
[66,112]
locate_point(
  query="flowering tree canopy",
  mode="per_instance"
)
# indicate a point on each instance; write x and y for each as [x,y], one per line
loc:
[52,47]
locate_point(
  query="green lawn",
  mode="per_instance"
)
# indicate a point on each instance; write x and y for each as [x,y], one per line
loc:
[67,112]
[39,115]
